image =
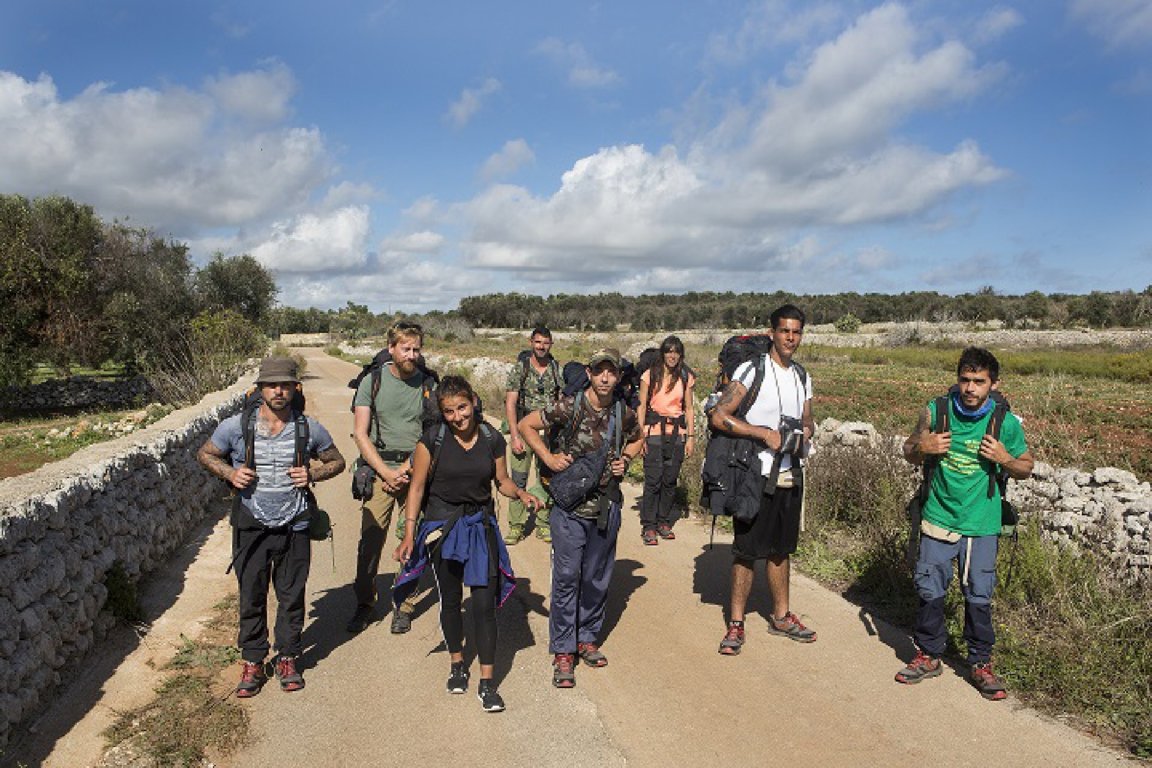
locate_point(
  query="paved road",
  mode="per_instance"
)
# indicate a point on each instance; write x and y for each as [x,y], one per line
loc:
[666,698]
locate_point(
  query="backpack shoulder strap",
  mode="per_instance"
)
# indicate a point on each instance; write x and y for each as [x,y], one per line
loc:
[437,445]
[373,416]
[803,373]
[939,424]
[574,422]
[303,437]
[557,377]
[248,429]
[999,477]
[754,390]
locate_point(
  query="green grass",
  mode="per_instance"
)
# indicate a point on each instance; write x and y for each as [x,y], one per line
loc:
[27,443]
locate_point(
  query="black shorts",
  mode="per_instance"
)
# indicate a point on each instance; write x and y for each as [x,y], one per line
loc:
[775,530]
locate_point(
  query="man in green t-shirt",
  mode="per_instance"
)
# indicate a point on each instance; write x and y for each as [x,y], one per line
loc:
[386,436]
[961,515]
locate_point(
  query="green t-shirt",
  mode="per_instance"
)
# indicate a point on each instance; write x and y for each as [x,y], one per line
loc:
[399,407]
[959,499]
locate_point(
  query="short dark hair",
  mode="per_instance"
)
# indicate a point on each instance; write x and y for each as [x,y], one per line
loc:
[978,359]
[788,312]
[541,330]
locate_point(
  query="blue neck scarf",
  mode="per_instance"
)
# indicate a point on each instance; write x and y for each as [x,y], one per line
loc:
[989,403]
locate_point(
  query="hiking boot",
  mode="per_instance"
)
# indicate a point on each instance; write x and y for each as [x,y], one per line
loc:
[564,670]
[733,639]
[458,679]
[649,537]
[987,683]
[252,679]
[790,627]
[515,535]
[360,620]
[544,533]
[920,668]
[490,699]
[590,654]
[664,531]
[401,622]
[288,675]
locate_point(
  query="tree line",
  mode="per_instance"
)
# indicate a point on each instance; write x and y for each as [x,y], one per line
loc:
[78,291]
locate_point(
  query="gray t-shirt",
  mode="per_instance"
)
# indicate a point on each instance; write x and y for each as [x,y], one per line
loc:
[271,498]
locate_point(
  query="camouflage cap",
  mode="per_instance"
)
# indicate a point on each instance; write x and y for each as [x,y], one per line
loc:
[607,354]
[277,370]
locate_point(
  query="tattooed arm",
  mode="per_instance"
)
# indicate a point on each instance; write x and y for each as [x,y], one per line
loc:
[216,461]
[724,418]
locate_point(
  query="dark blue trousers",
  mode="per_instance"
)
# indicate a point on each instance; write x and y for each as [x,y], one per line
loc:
[977,556]
[582,561]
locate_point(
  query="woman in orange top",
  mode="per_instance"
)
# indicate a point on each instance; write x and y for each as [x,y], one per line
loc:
[667,411]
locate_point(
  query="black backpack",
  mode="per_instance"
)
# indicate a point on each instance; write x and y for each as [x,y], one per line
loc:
[524,358]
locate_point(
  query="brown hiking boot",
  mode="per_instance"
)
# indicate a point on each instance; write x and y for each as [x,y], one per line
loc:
[252,679]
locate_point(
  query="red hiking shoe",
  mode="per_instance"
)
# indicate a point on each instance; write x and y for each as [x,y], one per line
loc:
[252,679]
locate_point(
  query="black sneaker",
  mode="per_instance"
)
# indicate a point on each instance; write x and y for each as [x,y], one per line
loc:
[401,622]
[458,679]
[489,697]
[360,620]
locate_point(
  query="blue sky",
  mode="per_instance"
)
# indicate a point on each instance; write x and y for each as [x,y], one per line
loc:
[406,154]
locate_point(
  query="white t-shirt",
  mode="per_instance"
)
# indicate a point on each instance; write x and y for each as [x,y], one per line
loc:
[780,393]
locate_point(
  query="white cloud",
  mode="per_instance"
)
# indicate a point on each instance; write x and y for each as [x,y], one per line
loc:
[817,153]
[773,23]
[317,243]
[996,23]
[470,102]
[583,72]
[261,94]
[513,156]
[1120,23]
[168,158]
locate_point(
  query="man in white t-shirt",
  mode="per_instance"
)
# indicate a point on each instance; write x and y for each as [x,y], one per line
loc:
[780,418]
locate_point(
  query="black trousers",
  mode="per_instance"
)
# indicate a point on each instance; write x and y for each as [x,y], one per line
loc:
[450,583]
[661,473]
[282,559]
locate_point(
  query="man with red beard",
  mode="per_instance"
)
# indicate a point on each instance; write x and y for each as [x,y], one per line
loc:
[387,412]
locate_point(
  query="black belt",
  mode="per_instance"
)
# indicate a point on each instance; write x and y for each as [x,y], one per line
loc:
[395,457]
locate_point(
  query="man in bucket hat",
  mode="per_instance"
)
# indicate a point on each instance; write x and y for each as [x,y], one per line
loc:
[264,454]
[599,436]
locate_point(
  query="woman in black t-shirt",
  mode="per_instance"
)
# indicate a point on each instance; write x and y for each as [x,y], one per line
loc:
[453,468]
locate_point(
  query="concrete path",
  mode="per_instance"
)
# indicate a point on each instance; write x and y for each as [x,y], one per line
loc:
[666,698]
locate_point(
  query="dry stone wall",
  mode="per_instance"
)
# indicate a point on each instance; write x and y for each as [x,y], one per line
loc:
[130,501]
[1107,510]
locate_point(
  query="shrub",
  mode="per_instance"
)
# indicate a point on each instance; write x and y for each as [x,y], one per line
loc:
[848,323]
[216,348]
